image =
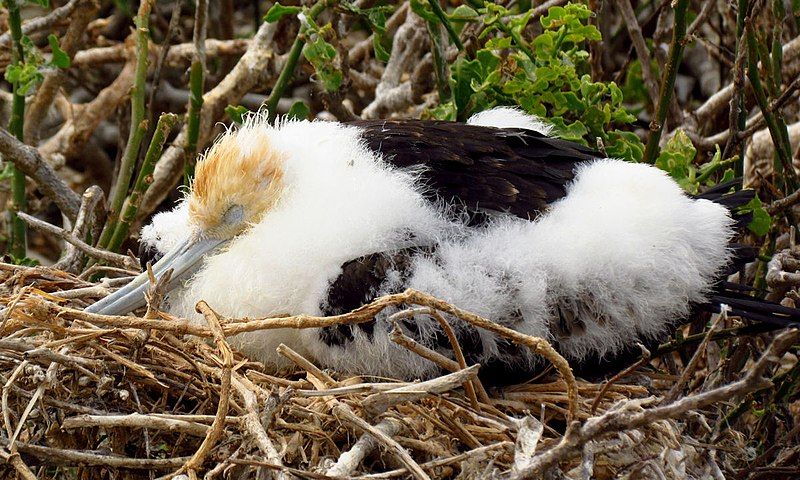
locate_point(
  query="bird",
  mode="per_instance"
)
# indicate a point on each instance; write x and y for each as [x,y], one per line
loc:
[494,215]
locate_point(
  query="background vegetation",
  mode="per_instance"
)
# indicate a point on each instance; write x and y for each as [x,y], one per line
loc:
[122,95]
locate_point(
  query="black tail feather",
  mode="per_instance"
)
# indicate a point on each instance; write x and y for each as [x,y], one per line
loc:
[745,306]
[737,297]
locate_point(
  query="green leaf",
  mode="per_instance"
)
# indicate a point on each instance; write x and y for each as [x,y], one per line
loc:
[277,11]
[322,55]
[761,222]
[676,159]
[299,111]
[463,13]
[8,171]
[25,76]
[625,145]
[236,113]
[423,10]
[727,176]
[445,111]
[381,53]
[60,57]
[25,261]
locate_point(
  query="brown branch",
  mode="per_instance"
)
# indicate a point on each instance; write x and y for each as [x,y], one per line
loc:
[73,135]
[631,415]
[46,92]
[344,413]
[177,56]
[30,161]
[135,420]
[123,261]
[70,458]
[87,221]
[706,112]
[226,356]
[635,32]
[42,23]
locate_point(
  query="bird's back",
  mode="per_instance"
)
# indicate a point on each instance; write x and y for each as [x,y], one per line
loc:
[514,170]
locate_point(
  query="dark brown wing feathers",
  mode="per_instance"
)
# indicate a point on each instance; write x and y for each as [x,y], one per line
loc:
[509,170]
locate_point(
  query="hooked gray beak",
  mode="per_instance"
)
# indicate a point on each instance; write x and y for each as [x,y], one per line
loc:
[181,259]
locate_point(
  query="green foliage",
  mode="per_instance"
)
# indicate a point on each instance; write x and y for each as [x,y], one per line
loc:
[762,221]
[321,55]
[677,158]
[548,77]
[22,261]
[277,11]
[60,58]
[423,9]
[30,73]
[463,13]
[236,113]
[375,19]
[299,111]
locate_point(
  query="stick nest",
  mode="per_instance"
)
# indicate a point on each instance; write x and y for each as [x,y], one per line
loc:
[91,396]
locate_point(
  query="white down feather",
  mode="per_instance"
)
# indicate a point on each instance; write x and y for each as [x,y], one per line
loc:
[626,249]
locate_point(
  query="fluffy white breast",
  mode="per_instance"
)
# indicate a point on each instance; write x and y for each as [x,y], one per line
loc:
[340,202]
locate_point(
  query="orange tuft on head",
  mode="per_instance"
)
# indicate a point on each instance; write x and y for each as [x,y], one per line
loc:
[240,169]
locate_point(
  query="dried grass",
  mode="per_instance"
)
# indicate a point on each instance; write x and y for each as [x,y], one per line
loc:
[151,397]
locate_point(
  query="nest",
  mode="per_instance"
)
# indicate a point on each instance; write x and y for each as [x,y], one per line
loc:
[152,396]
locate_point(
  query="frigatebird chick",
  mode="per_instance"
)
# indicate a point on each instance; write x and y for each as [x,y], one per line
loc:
[494,216]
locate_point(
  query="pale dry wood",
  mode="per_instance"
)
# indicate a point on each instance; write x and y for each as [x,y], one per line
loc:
[344,413]
[123,261]
[136,420]
[92,201]
[70,458]
[306,365]
[42,23]
[31,162]
[82,120]
[378,403]
[177,56]
[46,92]
[350,460]
[470,454]
[251,423]
[226,355]
[19,465]
[528,435]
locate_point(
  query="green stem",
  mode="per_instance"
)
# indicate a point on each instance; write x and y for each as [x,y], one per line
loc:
[716,167]
[138,123]
[741,117]
[668,82]
[143,180]
[291,62]
[775,123]
[451,32]
[779,14]
[439,62]
[196,88]
[18,243]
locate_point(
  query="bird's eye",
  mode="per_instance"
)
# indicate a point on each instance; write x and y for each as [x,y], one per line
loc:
[148,253]
[234,215]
